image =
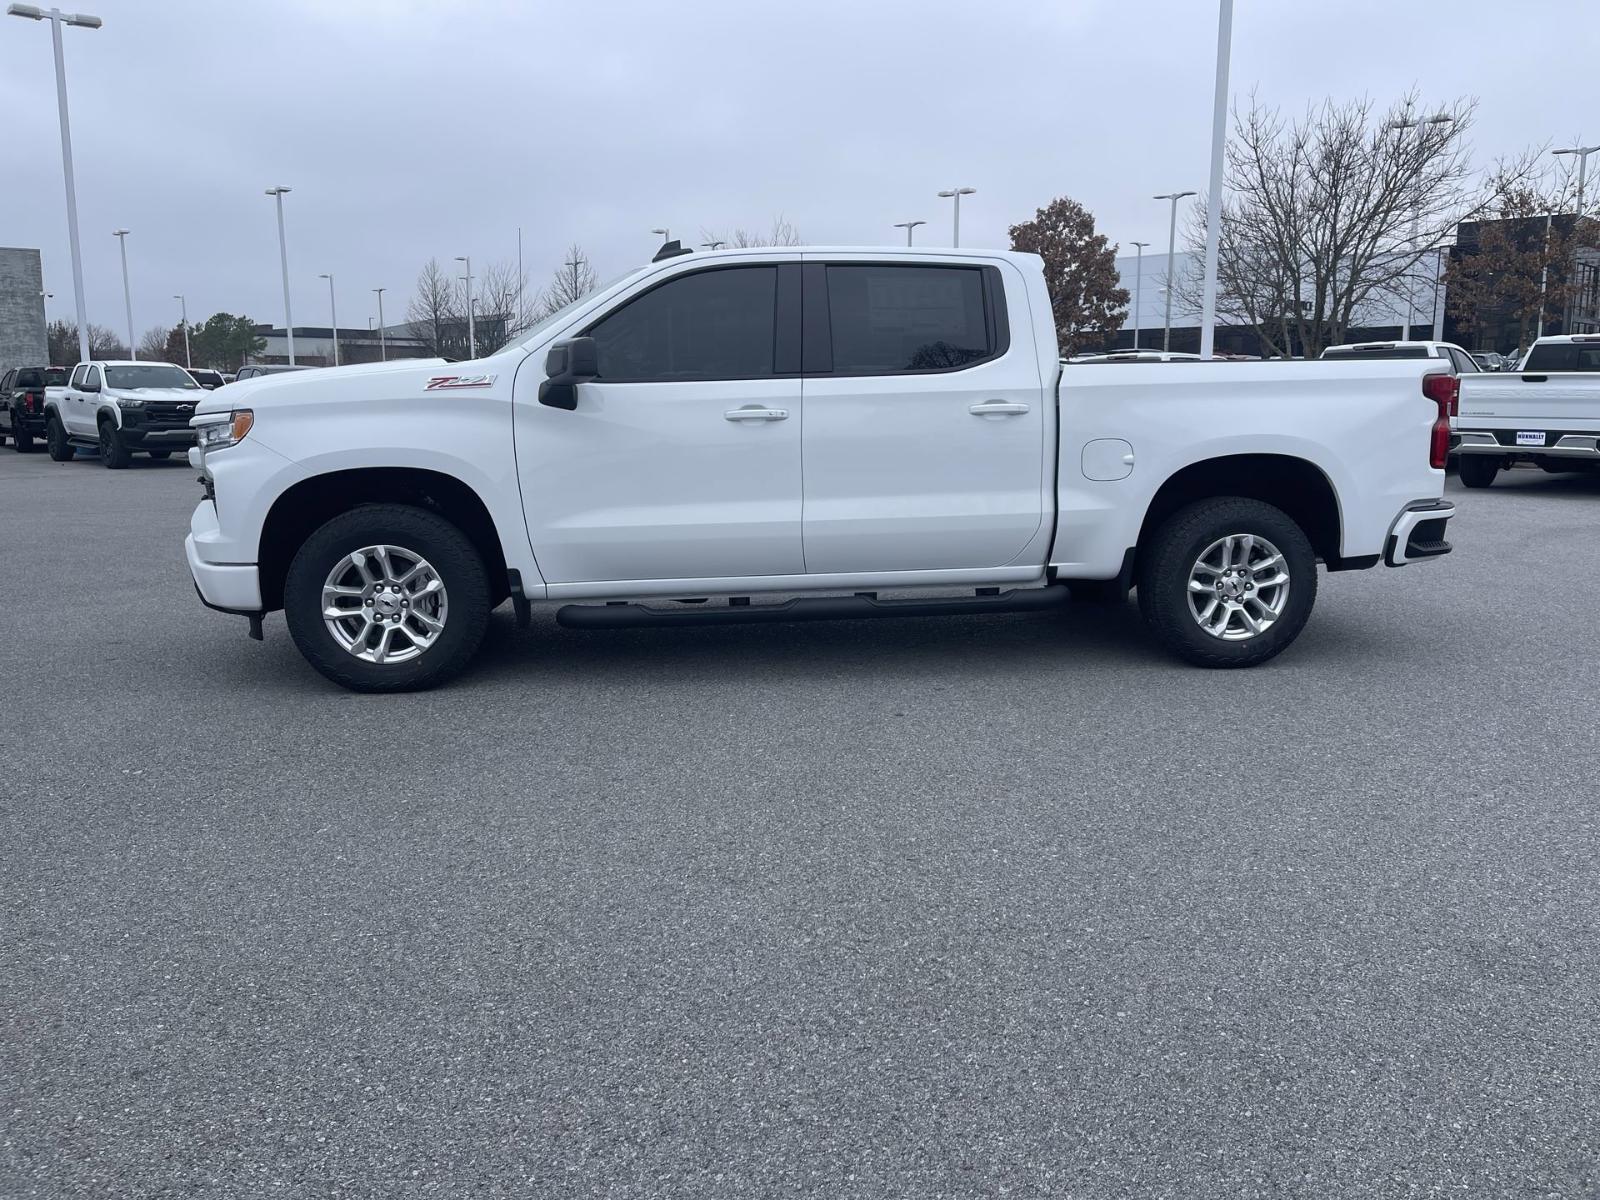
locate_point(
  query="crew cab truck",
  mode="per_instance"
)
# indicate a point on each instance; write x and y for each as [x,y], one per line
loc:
[22,403]
[788,434]
[120,408]
[1546,412]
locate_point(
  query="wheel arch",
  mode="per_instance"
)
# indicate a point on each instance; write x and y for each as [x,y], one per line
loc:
[306,505]
[1297,486]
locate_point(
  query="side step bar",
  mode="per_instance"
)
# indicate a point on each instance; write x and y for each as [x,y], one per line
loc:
[817,608]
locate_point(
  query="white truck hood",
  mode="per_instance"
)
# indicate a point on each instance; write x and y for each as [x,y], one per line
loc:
[163,395]
[290,387]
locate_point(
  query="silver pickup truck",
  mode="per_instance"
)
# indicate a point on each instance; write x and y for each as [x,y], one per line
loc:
[1547,413]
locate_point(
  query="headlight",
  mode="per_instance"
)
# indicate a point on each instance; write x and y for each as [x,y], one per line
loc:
[219,434]
[130,403]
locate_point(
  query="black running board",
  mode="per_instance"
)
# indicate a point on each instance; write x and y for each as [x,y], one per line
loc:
[817,608]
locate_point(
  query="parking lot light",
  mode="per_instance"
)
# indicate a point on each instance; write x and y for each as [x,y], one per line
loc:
[333,312]
[383,353]
[472,325]
[283,257]
[127,297]
[1172,245]
[956,194]
[183,307]
[57,18]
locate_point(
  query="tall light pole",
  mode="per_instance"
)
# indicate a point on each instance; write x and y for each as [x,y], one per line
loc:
[472,324]
[283,258]
[383,353]
[1172,245]
[666,235]
[956,194]
[713,244]
[333,311]
[127,297]
[1138,288]
[908,226]
[1219,138]
[1583,153]
[183,308]
[1402,125]
[1544,276]
[56,18]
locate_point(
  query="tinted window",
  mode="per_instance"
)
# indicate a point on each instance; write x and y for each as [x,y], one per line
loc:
[78,373]
[1564,356]
[1464,363]
[55,377]
[710,325]
[5,382]
[892,319]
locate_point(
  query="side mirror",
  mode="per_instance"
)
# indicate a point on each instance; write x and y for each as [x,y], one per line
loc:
[89,385]
[568,364]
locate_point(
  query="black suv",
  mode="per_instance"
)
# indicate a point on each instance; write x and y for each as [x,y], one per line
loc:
[22,403]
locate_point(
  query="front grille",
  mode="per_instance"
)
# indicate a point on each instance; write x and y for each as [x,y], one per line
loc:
[169,410]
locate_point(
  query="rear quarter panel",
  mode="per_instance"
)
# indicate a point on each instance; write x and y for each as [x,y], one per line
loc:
[1365,426]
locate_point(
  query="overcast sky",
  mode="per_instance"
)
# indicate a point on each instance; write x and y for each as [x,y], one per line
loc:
[411,129]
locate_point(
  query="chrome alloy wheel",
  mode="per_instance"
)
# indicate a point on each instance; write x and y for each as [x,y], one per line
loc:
[384,604]
[1238,587]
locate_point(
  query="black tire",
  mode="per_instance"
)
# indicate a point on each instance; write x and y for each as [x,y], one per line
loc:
[22,441]
[1479,470]
[159,455]
[114,452]
[1167,562]
[453,557]
[55,439]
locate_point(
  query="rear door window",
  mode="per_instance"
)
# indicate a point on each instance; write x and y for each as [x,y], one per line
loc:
[1564,356]
[890,319]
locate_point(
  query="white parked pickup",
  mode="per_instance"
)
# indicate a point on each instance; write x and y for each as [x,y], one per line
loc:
[791,434]
[1547,412]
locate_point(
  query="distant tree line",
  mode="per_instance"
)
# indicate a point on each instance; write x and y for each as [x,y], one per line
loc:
[222,342]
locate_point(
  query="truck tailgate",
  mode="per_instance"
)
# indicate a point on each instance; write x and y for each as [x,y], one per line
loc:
[1560,401]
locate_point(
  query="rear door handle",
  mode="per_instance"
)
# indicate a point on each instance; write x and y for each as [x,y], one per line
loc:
[997,408]
[755,412]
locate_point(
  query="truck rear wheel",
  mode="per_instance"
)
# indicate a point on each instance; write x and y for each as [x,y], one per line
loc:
[55,438]
[1478,470]
[387,598]
[1227,582]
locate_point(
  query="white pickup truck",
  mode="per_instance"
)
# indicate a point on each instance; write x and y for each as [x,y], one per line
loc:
[120,408]
[791,434]
[1546,412]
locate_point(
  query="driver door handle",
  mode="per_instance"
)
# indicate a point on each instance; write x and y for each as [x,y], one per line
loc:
[755,412]
[997,408]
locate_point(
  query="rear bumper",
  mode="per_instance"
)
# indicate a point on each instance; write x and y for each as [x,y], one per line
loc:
[232,587]
[1418,533]
[1559,445]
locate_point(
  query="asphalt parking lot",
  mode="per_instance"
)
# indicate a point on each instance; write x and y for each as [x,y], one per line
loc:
[961,907]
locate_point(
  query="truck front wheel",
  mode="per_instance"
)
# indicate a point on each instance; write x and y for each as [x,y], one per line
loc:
[387,598]
[114,452]
[1227,582]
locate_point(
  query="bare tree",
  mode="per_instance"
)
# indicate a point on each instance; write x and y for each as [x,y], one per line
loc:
[103,344]
[1338,210]
[153,343]
[782,233]
[436,313]
[572,280]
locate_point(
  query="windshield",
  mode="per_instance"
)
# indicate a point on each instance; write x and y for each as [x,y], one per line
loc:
[156,375]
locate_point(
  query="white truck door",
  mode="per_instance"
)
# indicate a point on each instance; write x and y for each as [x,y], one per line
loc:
[925,421]
[78,411]
[682,460]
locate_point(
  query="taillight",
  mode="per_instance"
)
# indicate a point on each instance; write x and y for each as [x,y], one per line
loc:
[34,400]
[1445,391]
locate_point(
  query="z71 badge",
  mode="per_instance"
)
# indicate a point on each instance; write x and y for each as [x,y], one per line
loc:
[442,383]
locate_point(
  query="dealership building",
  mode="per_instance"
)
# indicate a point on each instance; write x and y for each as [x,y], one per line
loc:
[22,337]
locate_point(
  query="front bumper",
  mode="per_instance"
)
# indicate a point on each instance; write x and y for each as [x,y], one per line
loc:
[1557,445]
[157,437]
[232,587]
[1418,533]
